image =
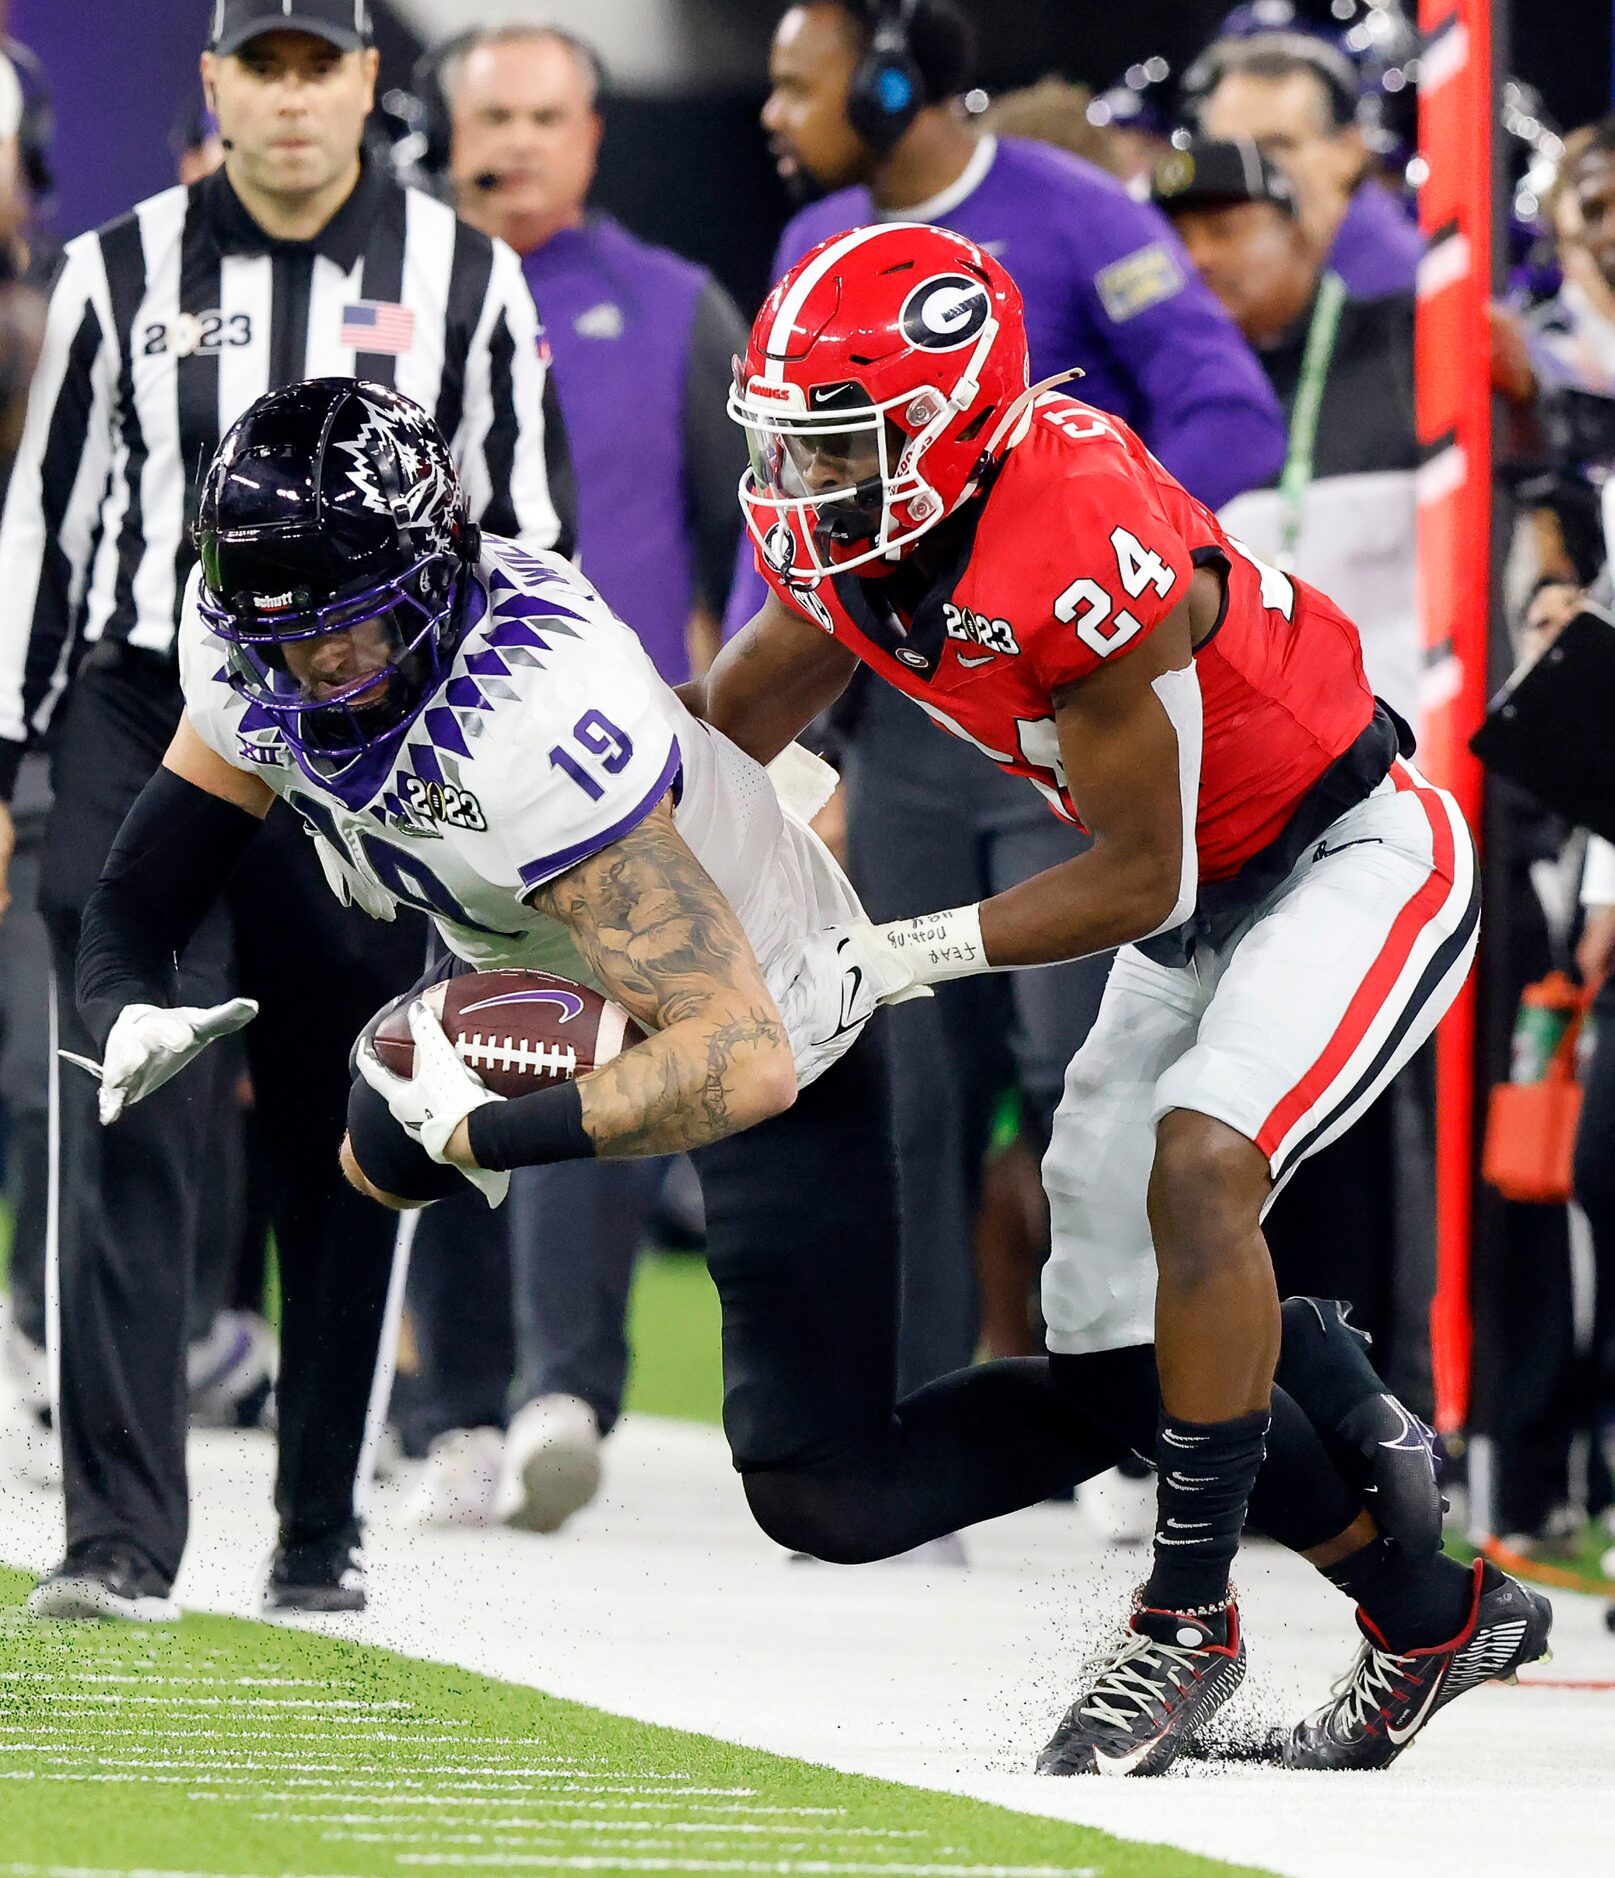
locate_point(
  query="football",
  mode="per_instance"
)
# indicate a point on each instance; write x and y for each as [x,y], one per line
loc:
[519,1030]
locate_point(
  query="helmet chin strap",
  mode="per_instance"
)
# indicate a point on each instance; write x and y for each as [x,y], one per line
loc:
[1019,411]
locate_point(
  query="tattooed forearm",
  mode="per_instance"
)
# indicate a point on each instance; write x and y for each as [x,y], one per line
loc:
[659,936]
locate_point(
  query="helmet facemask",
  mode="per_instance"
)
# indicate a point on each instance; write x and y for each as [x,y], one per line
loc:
[882,502]
[342,676]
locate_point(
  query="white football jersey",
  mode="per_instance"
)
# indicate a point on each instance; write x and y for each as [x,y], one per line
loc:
[551,737]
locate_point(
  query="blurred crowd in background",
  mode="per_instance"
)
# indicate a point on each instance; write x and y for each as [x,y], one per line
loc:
[1238,280]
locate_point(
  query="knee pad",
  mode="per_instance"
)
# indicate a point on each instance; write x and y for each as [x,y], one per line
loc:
[388,1158]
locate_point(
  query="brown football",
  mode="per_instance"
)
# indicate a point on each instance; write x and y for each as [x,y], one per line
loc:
[519,1030]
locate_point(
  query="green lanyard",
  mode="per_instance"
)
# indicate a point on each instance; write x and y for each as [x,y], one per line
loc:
[1320,349]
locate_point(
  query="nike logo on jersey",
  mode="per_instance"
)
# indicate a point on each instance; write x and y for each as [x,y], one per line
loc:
[969,664]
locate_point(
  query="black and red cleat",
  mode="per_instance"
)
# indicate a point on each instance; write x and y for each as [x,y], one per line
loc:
[1386,1698]
[1170,1675]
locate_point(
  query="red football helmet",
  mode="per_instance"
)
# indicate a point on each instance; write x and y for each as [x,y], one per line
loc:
[885,373]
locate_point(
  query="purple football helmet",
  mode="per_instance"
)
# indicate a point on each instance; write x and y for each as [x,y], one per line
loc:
[336,554]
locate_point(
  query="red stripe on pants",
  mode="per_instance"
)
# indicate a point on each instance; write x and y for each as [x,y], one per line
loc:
[1380,980]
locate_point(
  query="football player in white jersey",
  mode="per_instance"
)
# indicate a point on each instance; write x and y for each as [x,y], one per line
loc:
[466,728]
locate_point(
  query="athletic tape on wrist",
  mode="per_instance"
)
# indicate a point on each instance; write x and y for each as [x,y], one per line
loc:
[938,946]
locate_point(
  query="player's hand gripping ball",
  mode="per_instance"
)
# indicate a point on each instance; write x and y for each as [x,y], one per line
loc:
[482,1038]
[518,1030]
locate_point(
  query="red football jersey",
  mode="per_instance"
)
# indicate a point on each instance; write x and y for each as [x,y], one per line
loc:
[1082,548]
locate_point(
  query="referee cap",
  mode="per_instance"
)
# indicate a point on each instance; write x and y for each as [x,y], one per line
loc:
[1207,171]
[344,23]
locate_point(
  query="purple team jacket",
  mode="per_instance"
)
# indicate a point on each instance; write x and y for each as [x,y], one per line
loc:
[1107,286]
[1377,246]
[618,315]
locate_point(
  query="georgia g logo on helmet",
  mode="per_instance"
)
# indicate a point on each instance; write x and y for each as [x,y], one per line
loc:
[945,312]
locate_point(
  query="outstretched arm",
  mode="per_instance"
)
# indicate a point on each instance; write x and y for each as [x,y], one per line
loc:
[1129,739]
[184,833]
[770,681]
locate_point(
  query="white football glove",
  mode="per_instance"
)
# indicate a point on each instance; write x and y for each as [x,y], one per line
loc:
[350,886]
[889,977]
[151,1042]
[847,973]
[432,1103]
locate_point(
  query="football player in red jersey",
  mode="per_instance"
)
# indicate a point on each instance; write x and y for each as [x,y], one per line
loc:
[1296,905]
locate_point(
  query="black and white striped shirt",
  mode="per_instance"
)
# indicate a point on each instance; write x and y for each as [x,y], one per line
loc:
[166,324]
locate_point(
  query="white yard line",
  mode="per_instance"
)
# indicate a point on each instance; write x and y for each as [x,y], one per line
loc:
[663,1602]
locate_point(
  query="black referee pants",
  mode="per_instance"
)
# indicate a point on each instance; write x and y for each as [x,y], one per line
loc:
[129,1194]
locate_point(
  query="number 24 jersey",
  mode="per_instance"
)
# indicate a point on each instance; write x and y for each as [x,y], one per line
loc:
[1083,545]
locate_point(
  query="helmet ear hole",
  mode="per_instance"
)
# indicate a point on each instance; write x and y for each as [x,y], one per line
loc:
[977,425]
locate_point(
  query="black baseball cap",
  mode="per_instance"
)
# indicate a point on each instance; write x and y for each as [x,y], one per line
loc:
[345,23]
[1208,171]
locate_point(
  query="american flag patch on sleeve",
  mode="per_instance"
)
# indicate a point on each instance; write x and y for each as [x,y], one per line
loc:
[377,326]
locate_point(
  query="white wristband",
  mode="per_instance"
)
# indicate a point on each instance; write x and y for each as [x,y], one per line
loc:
[937,946]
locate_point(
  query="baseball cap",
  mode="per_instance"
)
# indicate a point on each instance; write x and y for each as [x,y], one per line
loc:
[1207,170]
[345,23]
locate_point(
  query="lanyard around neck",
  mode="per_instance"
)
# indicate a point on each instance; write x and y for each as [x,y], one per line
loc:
[1322,333]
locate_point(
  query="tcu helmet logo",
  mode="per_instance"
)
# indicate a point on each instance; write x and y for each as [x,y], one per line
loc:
[945,312]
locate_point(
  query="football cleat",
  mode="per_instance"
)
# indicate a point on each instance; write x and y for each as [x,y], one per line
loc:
[1386,1698]
[1171,1674]
[315,1576]
[552,1458]
[459,1484]
[104,1578]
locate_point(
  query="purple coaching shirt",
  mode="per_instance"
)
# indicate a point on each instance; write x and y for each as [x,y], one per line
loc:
[1377,246]
[618,314]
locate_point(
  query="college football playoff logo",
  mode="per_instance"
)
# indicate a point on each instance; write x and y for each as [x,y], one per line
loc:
[945,312]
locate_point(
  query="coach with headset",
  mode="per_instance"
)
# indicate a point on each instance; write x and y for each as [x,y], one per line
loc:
[861,104]
[298,259]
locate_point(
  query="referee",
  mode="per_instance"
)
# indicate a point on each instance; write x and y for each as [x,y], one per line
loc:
[298,259]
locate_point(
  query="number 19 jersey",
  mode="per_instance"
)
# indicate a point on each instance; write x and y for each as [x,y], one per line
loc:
[1082,546]
[551,736]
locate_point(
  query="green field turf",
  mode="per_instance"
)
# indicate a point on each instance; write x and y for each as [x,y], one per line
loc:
[222,1746]
[673,1333]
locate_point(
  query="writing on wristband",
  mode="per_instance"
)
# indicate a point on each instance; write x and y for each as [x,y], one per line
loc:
[938,946]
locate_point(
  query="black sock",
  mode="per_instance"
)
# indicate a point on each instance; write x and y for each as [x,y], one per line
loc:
[1206,1470]
[1413,1603]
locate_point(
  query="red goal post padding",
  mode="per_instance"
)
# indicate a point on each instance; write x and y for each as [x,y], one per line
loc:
[1454,494]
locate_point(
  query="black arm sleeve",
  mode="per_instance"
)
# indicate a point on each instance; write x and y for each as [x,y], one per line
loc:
[531,1130]
[714,448]
[558,463]
[174,852]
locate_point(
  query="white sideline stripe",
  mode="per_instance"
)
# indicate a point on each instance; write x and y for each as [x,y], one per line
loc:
[539,1799]
[361,1731]
[140,1871]
[782,1867]
[211,1682]
[328,1703]
[472,1786]
[516,1822]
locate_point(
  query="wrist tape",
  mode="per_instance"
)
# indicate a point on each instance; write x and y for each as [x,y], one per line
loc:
[938,946]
